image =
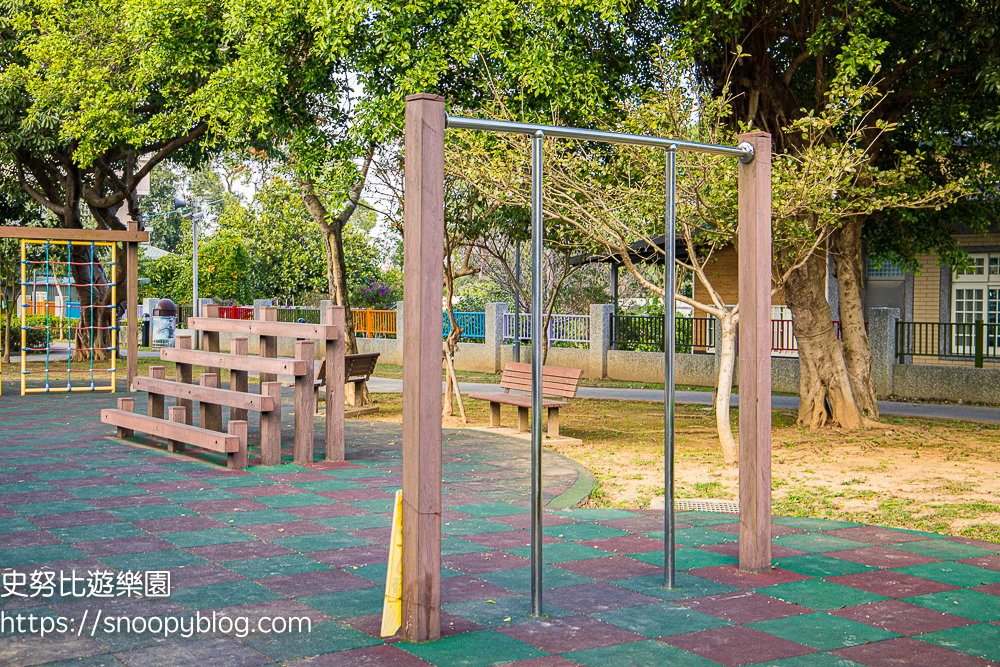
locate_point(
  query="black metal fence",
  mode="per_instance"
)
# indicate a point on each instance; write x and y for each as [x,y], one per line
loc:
[296,313]
[645,332]
[977,341]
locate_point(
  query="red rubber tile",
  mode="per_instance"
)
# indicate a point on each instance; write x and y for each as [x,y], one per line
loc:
[735,645]
[909,652]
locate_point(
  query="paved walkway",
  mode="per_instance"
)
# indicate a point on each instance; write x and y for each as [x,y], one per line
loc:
[310,541]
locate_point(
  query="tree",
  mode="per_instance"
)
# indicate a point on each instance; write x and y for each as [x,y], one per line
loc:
[15,207]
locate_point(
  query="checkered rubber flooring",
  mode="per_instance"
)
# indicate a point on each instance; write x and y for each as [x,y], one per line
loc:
[310,541]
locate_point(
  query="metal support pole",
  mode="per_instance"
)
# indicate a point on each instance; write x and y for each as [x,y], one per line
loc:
[195,306]
[517,303]
[536,372]
[669,345]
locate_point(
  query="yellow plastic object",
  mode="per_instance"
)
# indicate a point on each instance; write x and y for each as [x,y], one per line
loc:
[392,608]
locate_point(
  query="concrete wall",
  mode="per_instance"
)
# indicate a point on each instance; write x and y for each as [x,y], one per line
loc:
[947,383]
[693,369]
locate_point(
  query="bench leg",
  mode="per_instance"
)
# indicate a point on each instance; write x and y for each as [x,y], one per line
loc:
[494,414]
[211,414]
[154,406]
[237,460]
[523,423]
[316,398]
[553,422]
[176,414]
[270,426]
[352,394]
[125,405]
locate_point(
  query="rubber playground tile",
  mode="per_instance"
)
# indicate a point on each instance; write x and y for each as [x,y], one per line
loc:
[39,555]
[561,552]
[314,583]
[194,652]
[329,637]
[124,545]
[203,538]
[453,546]
[875,535]
[296,528]
[741,606]
[625,544]
[321,542]
[596,597]
[31,538]
[734,645]
[27,487]
[685,586]
[962,602]
[816,565]
[882,557]
[818,542]
[901,617]
[221,553]
[508,539]
[481,648]
[982,640]
[706,518]
[156,560]
[238,481]
[907,651]
[330,511]
[586,514]
[955,574]
[524,520]
[147,512]
[892,583]
[472,527]
[69,473]
[732,549]
[292,500]
[518,580]
[570,633]
[488,509]
[502,611]
[227,594]
[991,562]
[326,484]
[610,568]
[57,507]
[200,496]
[582,531]
[253,517]
[102,531]
[258,568]
[812,525]
[699,537]
[484,561]
[945,549]
[16,525]
[660,620]
[356,522]
[823,631]
[730,575]
[152,478]
[353,556]
[383,655]
[819,594]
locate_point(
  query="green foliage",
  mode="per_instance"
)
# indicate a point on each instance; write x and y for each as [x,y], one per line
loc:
[36,334]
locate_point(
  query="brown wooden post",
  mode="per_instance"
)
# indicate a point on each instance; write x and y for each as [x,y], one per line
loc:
[270,426]
[237,427]
[177,414]
[154,404]
[125,405]
[305,411]
[210,339]
[185,374]
[268,344]
[755,355]
[211,414]
[334,360]
[132,313]
[422,268]
[238,379]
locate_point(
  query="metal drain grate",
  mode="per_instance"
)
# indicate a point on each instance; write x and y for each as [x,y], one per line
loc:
[709,505]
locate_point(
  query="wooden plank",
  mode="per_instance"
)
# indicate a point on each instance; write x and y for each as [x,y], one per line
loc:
[238,380]
[192,435]
[515,399]
[132,306]
[211,413]
[184,374]
[178,415]
[755,355]
[280,365]
[232,399]
[126,405]
[238,459]
[55,234]
[335,361]
[553,371]
[305,411]
[423,223]
[268,344]
[260,328]
[270,426]
[154,401]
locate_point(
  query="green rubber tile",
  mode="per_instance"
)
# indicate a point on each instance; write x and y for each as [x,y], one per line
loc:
[16,525]
[56,507]
[228,594]
[686,586]
[944,549]
[472,527]
[241,481]
[691,559]
[473,649]
[956,574]
[254,517]
[560,552]
[810,660]
[39,460]
[377,506]
[200,495]
[822,631]
[700,537]
[328,485]
[967,604]
[803,523]
[373,572]
[495,614]
[638,654]
[816,565]
[329,637]
[981,640]
[36,555]
[101,531]
[518,580]
[355,473]
[153,477]
[470,466]
[575,532]
[276,470]
[817,543]
[74,473]
[320,542]
[355,522]
[706,518]
[362,602]
[596,514]
[113,491]
[120,642]
[10,628]
[294,500]
[204,538]
[165,511]
[454,546]
[658,620]
[259,568]
[154,560]
[486,510]
[110,464]
[24,487]
[820,594]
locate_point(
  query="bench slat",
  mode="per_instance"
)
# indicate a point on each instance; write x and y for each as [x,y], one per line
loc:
[262,328]
[553,371]
[191,435]
[232,399]
[519,400]
[236,362]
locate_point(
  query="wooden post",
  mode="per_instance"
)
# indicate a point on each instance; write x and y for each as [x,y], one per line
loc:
[238,379]
[211,414]
[270,426]
[238,460]
[154,404]
[305,411]
[132,314]
[177,414]
[268,344]
[185,374]
[334,360]
[210,339]
[422,267]
[755,355]
[125,405]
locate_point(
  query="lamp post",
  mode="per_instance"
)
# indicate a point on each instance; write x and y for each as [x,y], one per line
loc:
[195,304]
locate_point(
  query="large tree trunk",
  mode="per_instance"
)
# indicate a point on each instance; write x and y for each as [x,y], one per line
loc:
[727,360]
[846,248]
[825,389]
[92,335]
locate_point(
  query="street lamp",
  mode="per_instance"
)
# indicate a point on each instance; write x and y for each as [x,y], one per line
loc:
[181,204]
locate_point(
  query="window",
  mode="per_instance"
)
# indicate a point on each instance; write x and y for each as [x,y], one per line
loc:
[884,269]
[976,269]
[968,309]
[977,297]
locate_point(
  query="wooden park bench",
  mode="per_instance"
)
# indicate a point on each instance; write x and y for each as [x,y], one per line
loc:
[556,381]
[358,368]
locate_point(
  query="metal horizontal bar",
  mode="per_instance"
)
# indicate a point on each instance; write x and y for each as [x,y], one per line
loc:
[743,152]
